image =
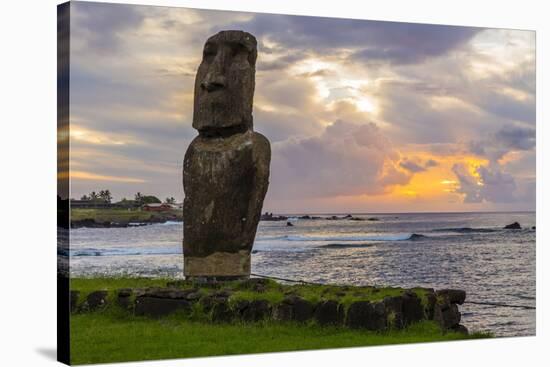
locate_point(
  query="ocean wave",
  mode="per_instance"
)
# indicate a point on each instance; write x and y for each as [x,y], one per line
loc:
[352,238]
[171,223]
[124,252]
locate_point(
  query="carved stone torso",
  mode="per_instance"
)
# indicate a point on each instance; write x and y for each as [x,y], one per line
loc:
[226,168]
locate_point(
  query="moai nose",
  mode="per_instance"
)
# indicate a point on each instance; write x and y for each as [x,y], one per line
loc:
[213,82]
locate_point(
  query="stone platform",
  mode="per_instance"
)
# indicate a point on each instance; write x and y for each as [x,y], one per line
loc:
[254,300]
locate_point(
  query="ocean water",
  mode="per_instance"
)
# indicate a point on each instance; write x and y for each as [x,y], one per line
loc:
[470,251]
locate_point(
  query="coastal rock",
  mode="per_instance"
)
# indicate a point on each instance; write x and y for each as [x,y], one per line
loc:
[457,296]
[288,224]
[514,225]
[157,307]
[394,312]
[366,315]
[221,312]
[429,307]
[329,313]
[447,315]
[226,167]
[294,308]
[255,310]
[124,297]
[96,300]
[460,329]
[413,310]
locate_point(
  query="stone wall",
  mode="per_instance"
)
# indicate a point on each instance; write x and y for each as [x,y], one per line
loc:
[217,305]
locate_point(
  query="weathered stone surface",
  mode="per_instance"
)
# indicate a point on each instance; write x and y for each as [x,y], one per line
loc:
[394,312]
[282,312]
[75,295]
[124,297]
[96,300]
[457,296]
[431,300]
[254,310]
[157,307]
[221,312]
[226,168]
[224,85]
[460,329]
[329,313]
[366,315]
[293,308]
[447,315]
[413,310]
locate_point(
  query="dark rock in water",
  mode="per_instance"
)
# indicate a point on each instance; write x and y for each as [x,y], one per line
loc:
[460,329]
[366,315]
[288,224]
[157,307]
[514,225]
[534,227]
[74,296]
[457,296]
[413,310]
[357,219]
[226,168]
[329,313]
[270,217]
[373,219]
[347,216]
[96,300]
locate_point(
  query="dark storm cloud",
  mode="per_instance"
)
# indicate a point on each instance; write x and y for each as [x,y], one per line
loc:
[411,166]
[506,139]
[399,43]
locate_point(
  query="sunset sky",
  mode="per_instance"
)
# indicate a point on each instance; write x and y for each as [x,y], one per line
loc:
[362,116]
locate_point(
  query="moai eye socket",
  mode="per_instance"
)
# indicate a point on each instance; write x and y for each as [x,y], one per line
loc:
[209,52]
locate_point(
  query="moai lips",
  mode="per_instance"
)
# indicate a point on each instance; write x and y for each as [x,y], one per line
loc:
[226,167]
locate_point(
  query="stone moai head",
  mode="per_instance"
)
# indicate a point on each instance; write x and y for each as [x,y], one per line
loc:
[224,85]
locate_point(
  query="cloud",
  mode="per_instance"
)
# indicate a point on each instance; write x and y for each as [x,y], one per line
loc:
[389,42]
[346,159]
[490,184]
[412,166]
[505,140]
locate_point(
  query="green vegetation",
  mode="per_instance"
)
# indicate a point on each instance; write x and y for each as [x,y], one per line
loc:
[113,334]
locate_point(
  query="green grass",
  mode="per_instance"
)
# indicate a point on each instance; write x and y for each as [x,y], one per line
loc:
[114,336]
[120,215]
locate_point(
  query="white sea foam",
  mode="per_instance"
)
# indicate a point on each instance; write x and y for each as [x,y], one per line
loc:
[381,237]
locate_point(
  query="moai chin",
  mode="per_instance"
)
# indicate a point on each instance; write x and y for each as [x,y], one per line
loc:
[226,167]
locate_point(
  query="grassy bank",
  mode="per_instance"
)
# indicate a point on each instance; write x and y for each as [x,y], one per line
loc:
[113,337]
[122,215]
[113,334]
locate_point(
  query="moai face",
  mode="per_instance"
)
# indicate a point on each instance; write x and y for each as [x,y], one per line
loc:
[224,85]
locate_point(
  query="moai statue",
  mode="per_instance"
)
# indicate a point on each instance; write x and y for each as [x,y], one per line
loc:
[226,167]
